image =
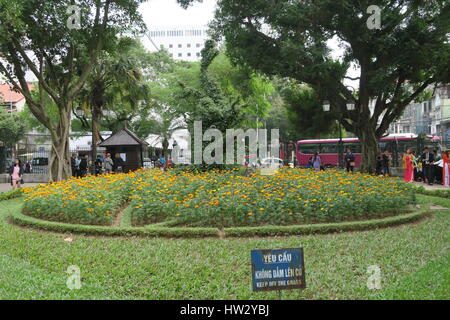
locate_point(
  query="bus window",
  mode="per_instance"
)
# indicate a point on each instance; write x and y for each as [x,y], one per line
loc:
[356,147]
[328,148]
[309,148]
[405,145]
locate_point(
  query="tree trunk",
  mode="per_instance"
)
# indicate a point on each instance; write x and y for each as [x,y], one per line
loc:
[96,114]
[369,149]
[59,165]
[165,147]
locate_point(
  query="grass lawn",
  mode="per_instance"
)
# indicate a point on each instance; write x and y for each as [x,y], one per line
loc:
[414,262]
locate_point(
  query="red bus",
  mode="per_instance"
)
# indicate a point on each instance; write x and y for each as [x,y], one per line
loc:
[396,144]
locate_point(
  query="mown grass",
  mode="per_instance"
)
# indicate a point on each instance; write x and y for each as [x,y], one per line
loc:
[430,282]
[33,264]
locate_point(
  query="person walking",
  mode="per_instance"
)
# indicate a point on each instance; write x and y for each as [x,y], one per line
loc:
[83,166]
[446,168]
[437,167]
[385,162]
[73,164]
[408,164]
[349,160]
[427,160]
[415,165]
[16,173]
[317,161]
[109,163]
[118,163]
[98,164]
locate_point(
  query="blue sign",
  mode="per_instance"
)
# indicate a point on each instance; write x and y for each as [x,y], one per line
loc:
[278,269]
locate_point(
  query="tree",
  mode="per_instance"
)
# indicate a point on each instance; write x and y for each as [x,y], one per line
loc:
[407,53]
[116,84]
[305,112]
[40,36]
[12,129]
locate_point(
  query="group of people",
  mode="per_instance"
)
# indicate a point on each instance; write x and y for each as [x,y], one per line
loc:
[80,165]
[315,162]
[429,167]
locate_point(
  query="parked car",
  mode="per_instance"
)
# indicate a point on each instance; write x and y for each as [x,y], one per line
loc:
[40,165]
[271,163]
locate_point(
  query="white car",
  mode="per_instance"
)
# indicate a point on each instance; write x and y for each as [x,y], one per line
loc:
[272,163]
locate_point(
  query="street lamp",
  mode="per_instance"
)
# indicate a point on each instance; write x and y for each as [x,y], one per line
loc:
[79,112]
[350,105]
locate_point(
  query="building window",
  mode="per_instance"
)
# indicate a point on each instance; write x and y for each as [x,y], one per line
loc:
[188,45]
[198,45]
[170,45]
[179,46]
[180,55]
[198,54]
[189,54]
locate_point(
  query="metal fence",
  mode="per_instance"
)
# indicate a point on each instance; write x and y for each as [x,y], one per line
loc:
[33,161]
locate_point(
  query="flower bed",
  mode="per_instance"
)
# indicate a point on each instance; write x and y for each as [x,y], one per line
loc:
[292,196]
[221,198]
[92,200]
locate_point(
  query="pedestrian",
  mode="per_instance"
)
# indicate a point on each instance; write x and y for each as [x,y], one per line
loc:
[437,167]
[386,161]
[415,165]
[446,168]
[83,166]
[73,164]
[98,165]
[109,163]
[118,163]
[427,160]
[310,163]
[317,161]
[16,174]
[408,164]
[28,167]
[349,160]
[379,166]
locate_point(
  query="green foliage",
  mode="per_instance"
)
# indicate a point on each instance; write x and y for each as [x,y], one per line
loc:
[290,39]
[11,194]
[304,109]
[442,193]
[12,128]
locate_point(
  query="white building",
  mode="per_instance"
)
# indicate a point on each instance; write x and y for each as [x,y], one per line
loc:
[183,43]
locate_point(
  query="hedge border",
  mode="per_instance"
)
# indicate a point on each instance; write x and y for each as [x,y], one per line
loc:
[12,194]
[438,193]
[263,231]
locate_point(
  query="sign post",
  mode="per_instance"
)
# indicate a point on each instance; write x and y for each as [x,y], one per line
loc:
[278,269]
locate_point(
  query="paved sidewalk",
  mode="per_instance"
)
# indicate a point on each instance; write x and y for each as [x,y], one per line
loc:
[435,186]
[7,187]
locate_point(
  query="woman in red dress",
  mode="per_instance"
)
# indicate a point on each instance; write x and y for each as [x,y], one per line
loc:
[446,168]
[409,166]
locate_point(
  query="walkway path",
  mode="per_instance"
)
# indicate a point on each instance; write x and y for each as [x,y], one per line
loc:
[7,187]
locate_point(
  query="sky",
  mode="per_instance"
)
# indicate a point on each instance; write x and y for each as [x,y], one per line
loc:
[163,13]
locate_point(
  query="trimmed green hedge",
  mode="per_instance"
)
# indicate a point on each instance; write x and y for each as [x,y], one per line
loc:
[435,193]
[159,231]
[11,194]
